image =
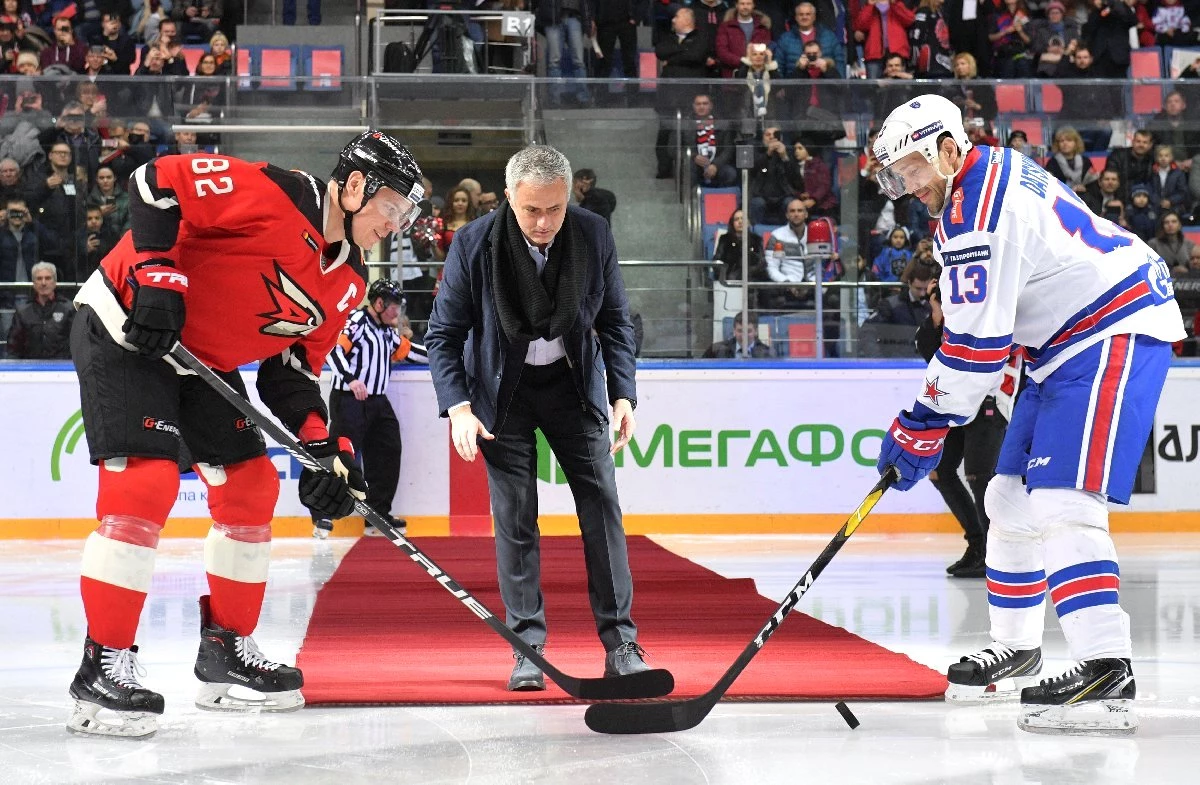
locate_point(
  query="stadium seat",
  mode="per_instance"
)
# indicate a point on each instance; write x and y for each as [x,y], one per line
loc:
[717,204]
[1052,99]
[712,235]
[795,335]
[1034,128]
[1192,233]
[647,69]
[276,67]
[1146,64]
[1177,58]
[192,55]
[1010,98]
[324,65]
[244,67]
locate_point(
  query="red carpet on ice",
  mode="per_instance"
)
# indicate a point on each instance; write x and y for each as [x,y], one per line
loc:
[383,631]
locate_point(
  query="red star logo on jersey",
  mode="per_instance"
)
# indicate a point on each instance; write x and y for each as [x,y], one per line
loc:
[932,392]
[295,312]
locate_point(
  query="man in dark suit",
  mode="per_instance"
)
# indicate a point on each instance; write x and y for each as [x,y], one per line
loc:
[531,299]
[685,54]
[744,342]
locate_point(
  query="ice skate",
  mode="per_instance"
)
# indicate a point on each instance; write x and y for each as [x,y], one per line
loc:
[108,680]
[994,673]
[322,528]
[1093,698]
[227,660]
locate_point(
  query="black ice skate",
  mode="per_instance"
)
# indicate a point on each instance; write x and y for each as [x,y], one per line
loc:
[227,660]
[995,673]
[1094,697]
[108,679]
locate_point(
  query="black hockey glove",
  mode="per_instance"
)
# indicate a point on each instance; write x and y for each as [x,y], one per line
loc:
[331,493]
[156,320]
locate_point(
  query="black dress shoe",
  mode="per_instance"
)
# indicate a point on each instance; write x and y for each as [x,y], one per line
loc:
[625,659]
[971,569]
[973,554]
[526,675]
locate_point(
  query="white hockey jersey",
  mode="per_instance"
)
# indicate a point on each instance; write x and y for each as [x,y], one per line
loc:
[1026,265]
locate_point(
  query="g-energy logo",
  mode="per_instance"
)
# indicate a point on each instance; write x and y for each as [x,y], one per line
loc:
[155,424]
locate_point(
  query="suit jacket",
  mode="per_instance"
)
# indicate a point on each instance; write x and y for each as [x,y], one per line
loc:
[471,359]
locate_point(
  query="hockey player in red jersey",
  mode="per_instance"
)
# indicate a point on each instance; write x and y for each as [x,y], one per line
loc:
[240,262]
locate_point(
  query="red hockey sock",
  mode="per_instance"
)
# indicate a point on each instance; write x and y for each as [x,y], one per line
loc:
[135,497]
[237,551]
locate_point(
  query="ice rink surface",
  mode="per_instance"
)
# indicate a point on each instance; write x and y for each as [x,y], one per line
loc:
[889,589]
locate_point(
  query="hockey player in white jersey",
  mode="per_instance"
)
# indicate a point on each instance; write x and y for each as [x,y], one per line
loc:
[1027,266]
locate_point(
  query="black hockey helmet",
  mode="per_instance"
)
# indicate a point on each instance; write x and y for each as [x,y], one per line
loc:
[384,162]
[388,290]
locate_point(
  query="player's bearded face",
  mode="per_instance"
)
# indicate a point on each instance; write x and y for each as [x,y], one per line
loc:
[913,174]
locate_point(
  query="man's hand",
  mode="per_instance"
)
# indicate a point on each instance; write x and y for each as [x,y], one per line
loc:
[465,427]
[623,420]
[913,448]
[156,319]
[331,493]
[359,389]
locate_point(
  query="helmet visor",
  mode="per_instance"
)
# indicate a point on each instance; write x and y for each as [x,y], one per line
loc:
[906,176]
[398,210]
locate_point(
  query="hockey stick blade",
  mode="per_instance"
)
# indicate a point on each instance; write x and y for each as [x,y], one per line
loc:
[648,684]
[671,716]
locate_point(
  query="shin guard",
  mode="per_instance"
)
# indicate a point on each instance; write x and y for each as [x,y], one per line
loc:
[238,547]
[1082,573]
[135,497]
[1016,580]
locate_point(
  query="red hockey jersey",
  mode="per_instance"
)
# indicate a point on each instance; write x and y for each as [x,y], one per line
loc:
[263,284]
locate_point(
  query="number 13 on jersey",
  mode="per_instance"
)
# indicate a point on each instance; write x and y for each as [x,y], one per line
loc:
[208,185]
[968,283]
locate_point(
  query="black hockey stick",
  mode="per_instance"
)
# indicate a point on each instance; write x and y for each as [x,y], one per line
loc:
[648,684]
[668,716]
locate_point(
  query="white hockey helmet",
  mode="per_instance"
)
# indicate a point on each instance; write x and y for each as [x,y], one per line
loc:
[915,127]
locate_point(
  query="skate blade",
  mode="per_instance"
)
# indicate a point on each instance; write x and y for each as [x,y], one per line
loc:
[1094,718]
[85,720]
[217,697]
[320,534]
[1002,691]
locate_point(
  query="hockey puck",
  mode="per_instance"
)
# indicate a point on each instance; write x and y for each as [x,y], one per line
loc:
[847,715]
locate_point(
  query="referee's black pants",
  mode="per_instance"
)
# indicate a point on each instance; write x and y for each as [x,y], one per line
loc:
[545,398]
[373,429]
[977,444]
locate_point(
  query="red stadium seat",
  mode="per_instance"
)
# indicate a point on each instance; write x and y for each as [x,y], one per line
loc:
[717,204]
[324,65]
[1146,64]
[1034,128]
[277,66]
[1052,99]
[192,55]
[647,69]
[1010,98]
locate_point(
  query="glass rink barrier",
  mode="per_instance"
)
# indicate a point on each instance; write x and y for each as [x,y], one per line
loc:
[670,162]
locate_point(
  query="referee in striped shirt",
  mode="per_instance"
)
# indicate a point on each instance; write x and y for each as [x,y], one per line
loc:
[374,337]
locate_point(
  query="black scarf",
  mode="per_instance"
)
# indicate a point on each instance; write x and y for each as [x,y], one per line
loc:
[532,306]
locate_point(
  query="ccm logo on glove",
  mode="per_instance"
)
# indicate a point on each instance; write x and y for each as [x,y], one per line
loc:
[919,442]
